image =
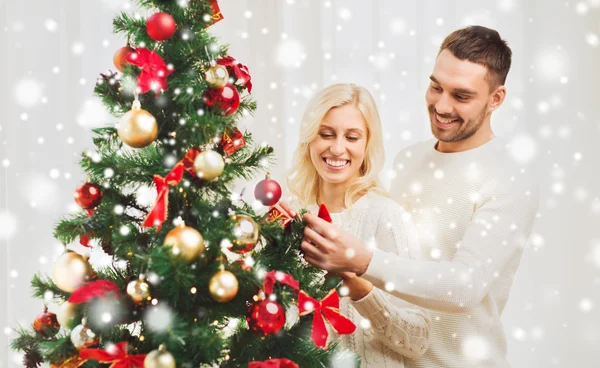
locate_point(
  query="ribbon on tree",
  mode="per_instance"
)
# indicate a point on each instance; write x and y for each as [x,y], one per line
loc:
[115,354]
[241,72]
[282,278]
[154,70]
[94,289]
[188,161]
[274,363]
[326,308]
[159,214]
[216,13]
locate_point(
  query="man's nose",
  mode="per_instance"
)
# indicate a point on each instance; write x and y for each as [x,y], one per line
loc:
[444,105]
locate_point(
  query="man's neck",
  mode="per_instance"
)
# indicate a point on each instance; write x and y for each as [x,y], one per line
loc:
[481,137]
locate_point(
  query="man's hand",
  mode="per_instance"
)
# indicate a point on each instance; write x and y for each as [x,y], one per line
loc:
[329,248]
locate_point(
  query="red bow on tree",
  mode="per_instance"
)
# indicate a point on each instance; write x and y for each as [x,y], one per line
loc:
[188,161]
[94,289]
[116,354]
[327,308]
[158,215]
[154,70]
[274,363]
[282,277]
[241,72]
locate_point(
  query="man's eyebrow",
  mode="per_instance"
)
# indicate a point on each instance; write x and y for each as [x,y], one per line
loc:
[456,90]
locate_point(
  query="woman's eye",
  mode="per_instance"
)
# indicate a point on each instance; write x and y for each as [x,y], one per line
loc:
[352,139]
[326,136]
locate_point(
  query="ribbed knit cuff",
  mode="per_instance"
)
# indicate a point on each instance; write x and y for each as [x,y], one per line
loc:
[371,307]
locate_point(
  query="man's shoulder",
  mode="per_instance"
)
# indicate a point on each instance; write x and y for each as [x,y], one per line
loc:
[416,149]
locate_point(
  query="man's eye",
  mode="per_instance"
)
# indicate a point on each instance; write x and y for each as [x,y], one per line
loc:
[436,88]
[461,98]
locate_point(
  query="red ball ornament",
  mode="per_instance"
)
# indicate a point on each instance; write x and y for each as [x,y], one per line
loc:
[46,324]
[268,191]
[88,196]
[266,317]
[227,99]
[161,26]
[119,59]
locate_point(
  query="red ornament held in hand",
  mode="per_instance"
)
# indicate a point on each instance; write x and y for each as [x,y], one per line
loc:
[88,196]
[227,99]
[161,26]
[266,317]
[268,191]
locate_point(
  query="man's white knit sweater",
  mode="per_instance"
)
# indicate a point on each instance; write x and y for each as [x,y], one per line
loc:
[474,211]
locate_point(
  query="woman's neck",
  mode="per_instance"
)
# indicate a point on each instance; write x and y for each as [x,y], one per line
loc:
[333,195]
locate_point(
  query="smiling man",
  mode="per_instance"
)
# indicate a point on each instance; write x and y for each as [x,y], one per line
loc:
[473,206]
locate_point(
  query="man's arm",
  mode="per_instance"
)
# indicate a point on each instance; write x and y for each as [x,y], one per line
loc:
[500,226]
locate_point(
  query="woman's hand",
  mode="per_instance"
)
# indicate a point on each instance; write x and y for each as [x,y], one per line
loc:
[358,287]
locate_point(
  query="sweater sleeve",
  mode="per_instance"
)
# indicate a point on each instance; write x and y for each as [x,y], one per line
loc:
[500,226]
[402,327]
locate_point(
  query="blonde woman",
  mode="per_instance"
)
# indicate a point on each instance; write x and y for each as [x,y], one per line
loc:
[337,163]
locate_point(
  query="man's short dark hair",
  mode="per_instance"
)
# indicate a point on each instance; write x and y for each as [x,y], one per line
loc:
[483,46]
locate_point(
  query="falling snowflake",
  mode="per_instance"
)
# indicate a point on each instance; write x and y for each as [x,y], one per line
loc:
[28,92]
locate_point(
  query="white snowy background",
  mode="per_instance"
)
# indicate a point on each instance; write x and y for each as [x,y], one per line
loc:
[53,51]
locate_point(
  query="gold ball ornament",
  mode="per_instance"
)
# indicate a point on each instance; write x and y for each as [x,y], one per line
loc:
[137,128]
[209,165]
[66,314]
[82,337]
[245,234]
[70,271]
[138,290]
[159,358]
[186,241]
[223,286]
[217,76]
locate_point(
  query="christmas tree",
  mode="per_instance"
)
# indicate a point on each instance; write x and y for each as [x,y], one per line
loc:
[200,278]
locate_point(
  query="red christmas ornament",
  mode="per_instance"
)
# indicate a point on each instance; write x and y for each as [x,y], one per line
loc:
[232,141]
[275,215]
[88,196]
[267,191]
[154,70]
[266,317]
[161,26]
[227,99]
[46,324]
[119,59]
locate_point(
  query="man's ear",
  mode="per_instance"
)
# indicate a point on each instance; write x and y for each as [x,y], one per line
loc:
[497,98]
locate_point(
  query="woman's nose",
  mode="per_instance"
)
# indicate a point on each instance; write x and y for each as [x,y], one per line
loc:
[338,147]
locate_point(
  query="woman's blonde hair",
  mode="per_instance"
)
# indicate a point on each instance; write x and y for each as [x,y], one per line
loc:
[303,180]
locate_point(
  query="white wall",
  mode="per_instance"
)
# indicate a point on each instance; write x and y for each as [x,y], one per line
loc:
[387,46]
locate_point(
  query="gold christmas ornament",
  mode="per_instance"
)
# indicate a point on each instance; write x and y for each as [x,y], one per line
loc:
[159,358]
[223,286]
[70,271]
[65,314]
[137,128]
[217,76]
[82,337]
[138,290]
[245,233]
[186,241]
[209,165]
